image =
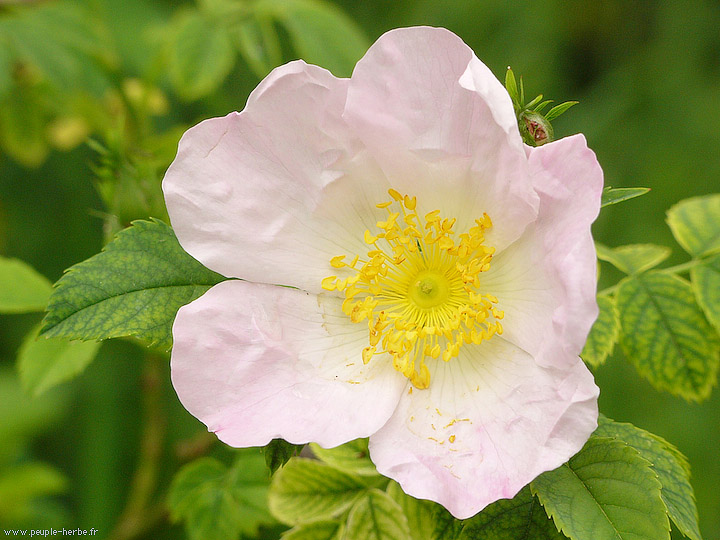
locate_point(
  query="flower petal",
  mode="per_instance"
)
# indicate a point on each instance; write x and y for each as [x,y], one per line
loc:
[258,362]
[491,421]
[442,127]
[273,193]
[546,281]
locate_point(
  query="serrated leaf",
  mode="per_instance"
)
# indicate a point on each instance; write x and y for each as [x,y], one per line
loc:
[605,492]
[22,289]
[377,517]
[352,457]
[259,44]
[603,334]
[307,490]
[519,518]
[279,452]
[321,33]
[695,223]
[706,284]
[633,258]
[44,363]
[666,336]
[316,530]
[671,467]
[201,55]
[612,195]
[134,287]
[218,503]
[557,110]
[422,516]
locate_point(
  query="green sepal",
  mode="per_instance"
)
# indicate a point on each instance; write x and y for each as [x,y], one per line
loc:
[611,195]
[278,452]
[666,336]
[134,287]
[607,491]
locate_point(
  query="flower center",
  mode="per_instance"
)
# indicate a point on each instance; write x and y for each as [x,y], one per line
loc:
[419,288]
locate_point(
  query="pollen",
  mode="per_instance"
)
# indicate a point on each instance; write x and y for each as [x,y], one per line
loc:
[418,288]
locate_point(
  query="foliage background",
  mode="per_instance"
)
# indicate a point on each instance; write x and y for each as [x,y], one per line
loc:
[647,75]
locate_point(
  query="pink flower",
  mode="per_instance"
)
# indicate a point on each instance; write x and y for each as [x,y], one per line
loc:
[437,276]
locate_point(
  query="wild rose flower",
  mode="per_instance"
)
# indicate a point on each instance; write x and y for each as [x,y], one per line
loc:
[437,277]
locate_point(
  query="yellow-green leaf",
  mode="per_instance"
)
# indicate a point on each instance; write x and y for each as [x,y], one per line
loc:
[22,289]
[377,517]
[633,258]
[603,334]
[695,223]
[706,284]
[666,336]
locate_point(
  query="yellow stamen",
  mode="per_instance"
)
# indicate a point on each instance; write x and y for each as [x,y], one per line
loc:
[419,292]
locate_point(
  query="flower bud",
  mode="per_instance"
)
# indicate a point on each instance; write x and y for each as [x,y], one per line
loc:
[535,128]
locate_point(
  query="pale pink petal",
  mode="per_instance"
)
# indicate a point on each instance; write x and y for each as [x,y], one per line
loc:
[545,282]
[272,193]
[257,362]
[442,127]
[491,421]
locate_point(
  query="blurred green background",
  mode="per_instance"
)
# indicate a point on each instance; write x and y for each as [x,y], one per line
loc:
[133,74]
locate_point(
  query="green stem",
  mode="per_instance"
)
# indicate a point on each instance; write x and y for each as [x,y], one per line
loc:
[138,515]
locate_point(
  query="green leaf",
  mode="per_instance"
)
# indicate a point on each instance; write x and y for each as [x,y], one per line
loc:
[519,518]
[279,452]
[352,457]
[665,335]
[377,517]
[446,526]
[22,125]
[421,515]
[633,258]
[605,492]
[612,195]
[259,44]
[44,363]
[671,467]
[316,530]
[23,416]
[320,32]
[695,223]
[20,484]
[133,288]
[557,110]
[603,334]
[6,65]
[706,284]
[217,502]
[22,289]
[307,490]
[201,55]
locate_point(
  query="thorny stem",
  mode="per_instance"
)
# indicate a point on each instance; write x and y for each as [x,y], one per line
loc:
[139,516]
[677,269]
